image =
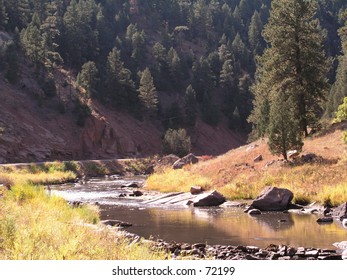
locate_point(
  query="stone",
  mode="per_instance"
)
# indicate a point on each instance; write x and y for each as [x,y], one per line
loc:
[131,185]
[293,154]
[273,199]
[137,193]
[116,223]
[149,170]
[340,211]
[344,255]
[213,198]
[325,220]
[167,160]
[254,212]
[341,245]
[188,159]
[258,158]
[196,190]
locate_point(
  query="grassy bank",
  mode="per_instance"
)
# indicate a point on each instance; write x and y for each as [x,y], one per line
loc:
[237,176]
[36,226]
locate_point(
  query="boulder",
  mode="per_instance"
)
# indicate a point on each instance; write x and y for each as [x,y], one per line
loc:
[293,154]
[137,193]
[273,199]
[131,185]
[188,159]
[340,211]
[258,158]
[168,160]
[213,198]
[254,212]
[196,190]
[326,220]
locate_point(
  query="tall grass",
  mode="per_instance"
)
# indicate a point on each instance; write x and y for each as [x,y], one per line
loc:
[37,226]
[180,180]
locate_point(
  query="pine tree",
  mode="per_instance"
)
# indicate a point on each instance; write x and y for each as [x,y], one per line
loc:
[32,42]
[339,88]
[147,92]
[190,106]
[119,85]
[284,130]
[88,78]
[256,41]
[294,63]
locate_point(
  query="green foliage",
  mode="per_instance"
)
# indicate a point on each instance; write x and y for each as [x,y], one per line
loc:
[176,142]
[283,130]
[341,115]
[88,78]
[148,92]
[295,65]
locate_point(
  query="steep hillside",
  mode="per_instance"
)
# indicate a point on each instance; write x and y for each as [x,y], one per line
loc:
[37,131]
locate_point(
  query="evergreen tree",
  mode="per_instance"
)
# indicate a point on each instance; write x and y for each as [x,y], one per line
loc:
[190,106]
[88,78]
[148,92]
[32,42]
[294,63]
[176,142]
[339,88]
[284,130]
[255,39]
[119,85]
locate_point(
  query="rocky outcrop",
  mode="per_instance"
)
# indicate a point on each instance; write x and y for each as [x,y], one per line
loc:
[188,159]
[213,198]
[273,199]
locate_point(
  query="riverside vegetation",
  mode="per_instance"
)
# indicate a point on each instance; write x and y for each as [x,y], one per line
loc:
[34,225]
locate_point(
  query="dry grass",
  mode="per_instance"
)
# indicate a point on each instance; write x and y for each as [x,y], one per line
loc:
[35,226]
[237,176]
[171,180]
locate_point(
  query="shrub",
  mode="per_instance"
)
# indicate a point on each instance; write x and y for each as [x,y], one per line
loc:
[176,142]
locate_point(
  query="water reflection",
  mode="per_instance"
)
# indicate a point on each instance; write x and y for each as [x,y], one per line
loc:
[217,225]
[227,226]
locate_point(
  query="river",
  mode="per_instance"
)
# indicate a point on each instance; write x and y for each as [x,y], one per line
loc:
[214,225]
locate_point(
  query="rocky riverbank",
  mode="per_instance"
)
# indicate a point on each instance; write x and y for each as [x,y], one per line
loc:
[200,251]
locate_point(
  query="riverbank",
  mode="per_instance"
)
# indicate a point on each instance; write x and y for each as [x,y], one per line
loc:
[37,226]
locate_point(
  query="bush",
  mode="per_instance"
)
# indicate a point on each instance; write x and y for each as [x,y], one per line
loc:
[176,142]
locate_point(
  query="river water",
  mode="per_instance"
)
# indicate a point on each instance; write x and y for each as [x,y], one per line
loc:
[216,225]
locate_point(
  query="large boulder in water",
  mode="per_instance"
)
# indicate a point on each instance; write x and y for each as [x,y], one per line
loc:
[340,212]
[273,199]
[188,159]
[213,198]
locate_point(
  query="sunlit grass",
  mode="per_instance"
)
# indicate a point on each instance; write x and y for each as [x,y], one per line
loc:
[37,226]
[180,180]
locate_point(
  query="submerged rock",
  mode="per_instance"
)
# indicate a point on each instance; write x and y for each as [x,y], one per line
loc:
[116,223]
[273,199]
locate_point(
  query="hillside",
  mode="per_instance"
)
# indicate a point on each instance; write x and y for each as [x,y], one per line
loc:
[34,131]
[317,174]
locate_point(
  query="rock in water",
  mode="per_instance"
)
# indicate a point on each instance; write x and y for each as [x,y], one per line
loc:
[326,220]
[213,198]
[340,211]
[273,199]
